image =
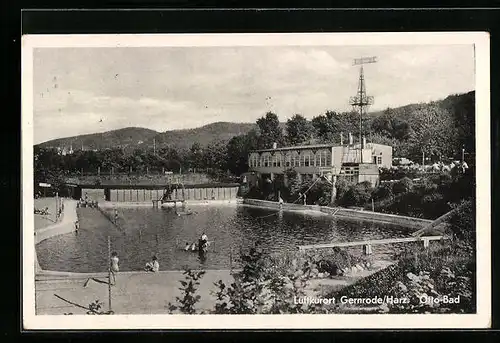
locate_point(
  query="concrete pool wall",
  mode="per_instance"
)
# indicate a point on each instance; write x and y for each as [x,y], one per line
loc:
[345,213]
[112,204]
[66,224]
[148,193]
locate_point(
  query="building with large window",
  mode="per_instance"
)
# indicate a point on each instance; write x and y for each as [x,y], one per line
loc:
[310,161]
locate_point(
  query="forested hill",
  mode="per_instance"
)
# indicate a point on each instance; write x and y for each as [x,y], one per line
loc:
[184,139]
[392,126]
[116,138]
[136,137]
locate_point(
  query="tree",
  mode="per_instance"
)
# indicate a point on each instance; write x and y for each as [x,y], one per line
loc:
[432,132]
[270,131]
[320,193]
[390,125]
[238,149]
[214,156]
[463,222]
[357,195]
[111,159]
[196,155]
[462,108]
[383,191]
[298,129]
[293,184]
[405,185]
[328,126]
[350,122]
[342,185]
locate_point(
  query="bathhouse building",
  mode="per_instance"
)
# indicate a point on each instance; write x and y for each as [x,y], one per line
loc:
[347,161]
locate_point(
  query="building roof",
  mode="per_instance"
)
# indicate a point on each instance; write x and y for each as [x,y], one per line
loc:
[299,147]
[141,186]
[314,146]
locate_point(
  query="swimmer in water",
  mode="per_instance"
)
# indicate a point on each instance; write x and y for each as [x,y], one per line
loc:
[153,266]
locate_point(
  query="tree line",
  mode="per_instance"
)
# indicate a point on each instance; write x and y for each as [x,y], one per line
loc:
[436,129]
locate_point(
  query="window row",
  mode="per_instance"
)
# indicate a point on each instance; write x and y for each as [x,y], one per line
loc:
[320,159]
[349,171]
[377,160]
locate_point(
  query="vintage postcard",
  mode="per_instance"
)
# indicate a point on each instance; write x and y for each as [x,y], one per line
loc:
[256,181]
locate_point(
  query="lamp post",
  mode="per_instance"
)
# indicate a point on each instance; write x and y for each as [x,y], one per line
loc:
[334,184]
[57,206]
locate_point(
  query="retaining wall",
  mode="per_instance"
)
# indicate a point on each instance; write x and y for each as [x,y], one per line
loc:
[192,193]
[409,222]
[65,225]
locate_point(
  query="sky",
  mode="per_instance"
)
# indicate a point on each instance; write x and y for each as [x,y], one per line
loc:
[88,90]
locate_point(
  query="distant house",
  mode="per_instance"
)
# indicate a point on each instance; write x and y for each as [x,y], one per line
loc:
[65,151]
[311,161]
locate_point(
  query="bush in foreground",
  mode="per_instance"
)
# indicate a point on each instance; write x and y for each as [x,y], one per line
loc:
[444,271]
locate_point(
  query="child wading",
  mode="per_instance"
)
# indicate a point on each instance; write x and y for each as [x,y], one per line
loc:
[114,266]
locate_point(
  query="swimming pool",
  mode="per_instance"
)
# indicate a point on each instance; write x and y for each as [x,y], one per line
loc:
[146,231]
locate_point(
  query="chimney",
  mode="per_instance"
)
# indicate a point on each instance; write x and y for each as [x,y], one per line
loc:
[350,138]
[275,145]
[341,138]
[364,142]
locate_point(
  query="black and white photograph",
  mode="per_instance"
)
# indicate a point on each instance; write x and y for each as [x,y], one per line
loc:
[301,180]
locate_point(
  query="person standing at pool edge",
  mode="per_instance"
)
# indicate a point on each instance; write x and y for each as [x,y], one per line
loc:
[114,266]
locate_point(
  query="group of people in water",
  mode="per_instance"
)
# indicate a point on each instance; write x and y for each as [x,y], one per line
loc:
[200,246]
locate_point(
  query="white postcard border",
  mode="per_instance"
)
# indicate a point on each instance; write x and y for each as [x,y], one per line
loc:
[479,320]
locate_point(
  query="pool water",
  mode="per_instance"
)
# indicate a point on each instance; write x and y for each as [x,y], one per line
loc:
[146,231]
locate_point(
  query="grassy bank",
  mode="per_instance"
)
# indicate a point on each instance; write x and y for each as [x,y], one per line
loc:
[443,272]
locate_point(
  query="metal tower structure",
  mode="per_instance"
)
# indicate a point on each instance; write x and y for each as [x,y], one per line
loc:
[361,100]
